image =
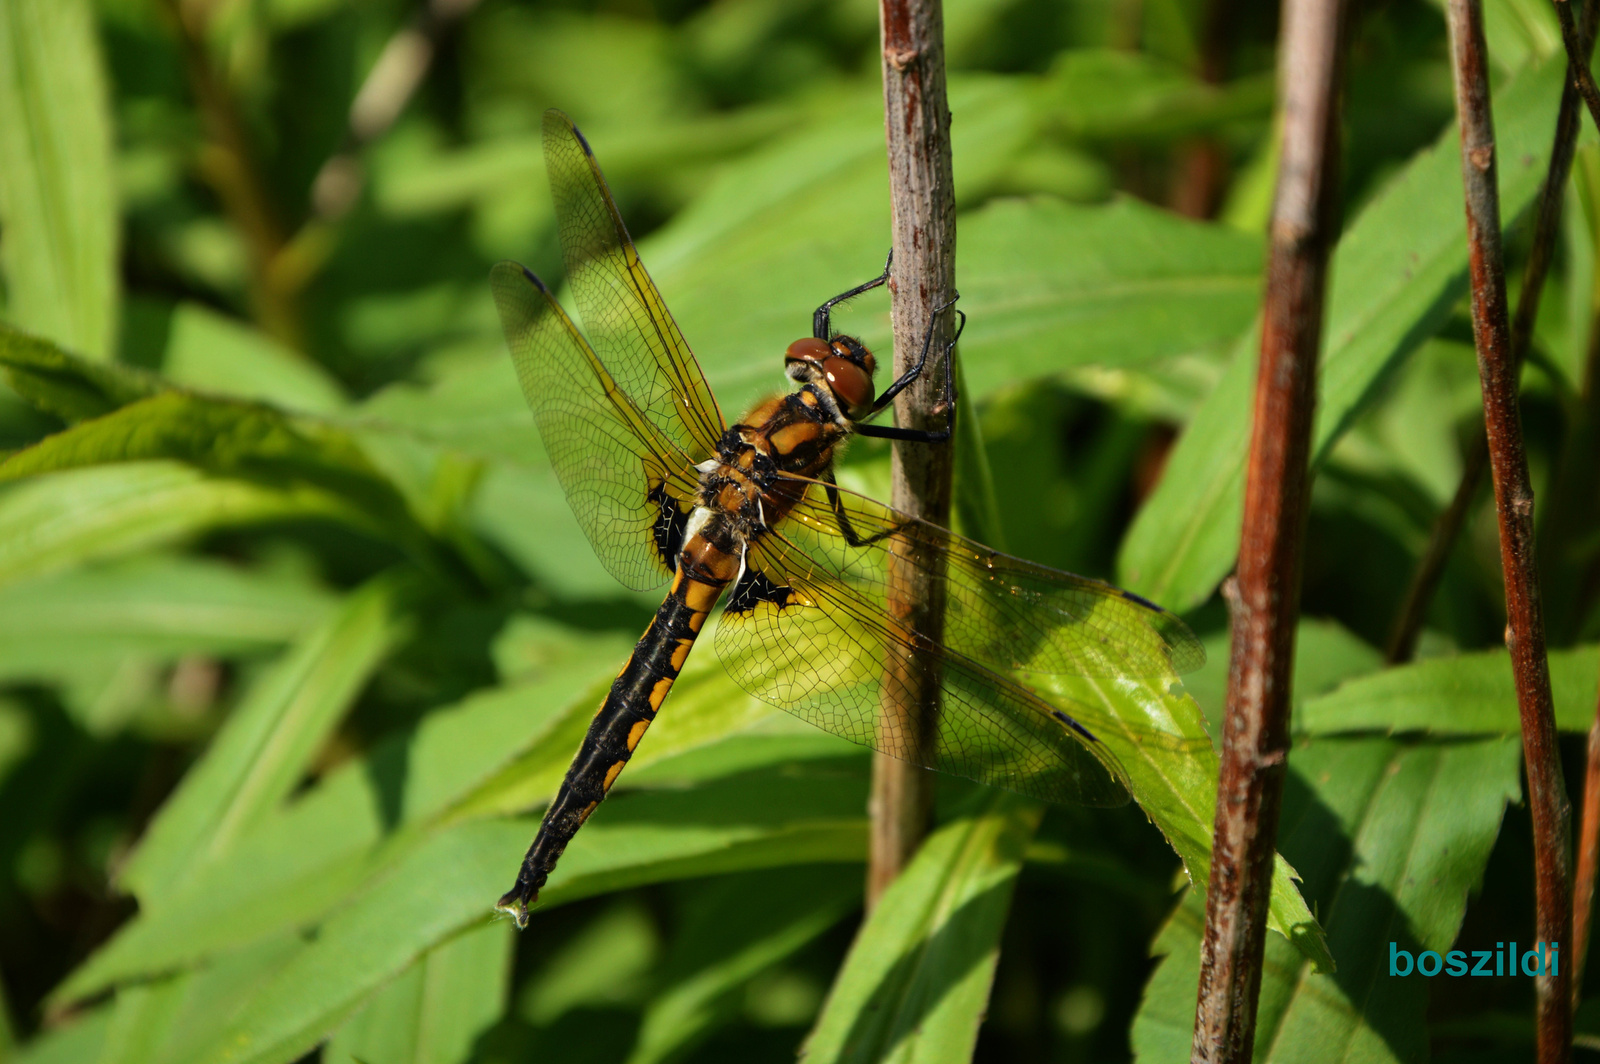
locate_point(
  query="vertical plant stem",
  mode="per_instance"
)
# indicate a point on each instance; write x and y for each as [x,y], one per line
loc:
[922,197]
[1202,163]
[1546,231]
[1508,463]
[1256,729]
[1577,64]
[228,165]
[1588,860]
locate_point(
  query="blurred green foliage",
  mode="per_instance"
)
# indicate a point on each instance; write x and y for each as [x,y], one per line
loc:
[297,633]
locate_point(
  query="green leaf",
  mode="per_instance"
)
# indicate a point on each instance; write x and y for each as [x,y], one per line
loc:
[58,194]
[1469,694]
[264,750]
[604,965]
[1390,837]
[1325,655]
[916,982]
[212,353]
[152,606]
[450,881]
[58,522]
[1046,285]
[1396,273]
[739,926]
[1155,734]
[59,383]
[77,1042]
[1108,93]
[303,858]
[1049,285]
[237,439]
[435,1010]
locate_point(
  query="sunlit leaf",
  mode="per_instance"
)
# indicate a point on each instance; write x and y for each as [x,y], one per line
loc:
[63,384]
[1389,838]
[211,353]
[1396,273]
[267,745]
[1468,694]
[916,983]
[738,927]
[57,522]
[434,1010]
[58,194]
[162,606]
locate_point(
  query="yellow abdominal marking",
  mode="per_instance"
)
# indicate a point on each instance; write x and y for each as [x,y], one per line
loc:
[658,693]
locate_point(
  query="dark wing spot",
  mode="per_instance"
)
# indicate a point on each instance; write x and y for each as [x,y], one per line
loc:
[669,526]
[754,588]
[533,279]
[576,132]
[1074,725]
[1146,603]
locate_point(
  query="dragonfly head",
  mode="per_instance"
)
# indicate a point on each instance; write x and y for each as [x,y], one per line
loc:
[842,364]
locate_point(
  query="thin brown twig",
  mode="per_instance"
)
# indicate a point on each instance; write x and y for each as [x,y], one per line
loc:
[228,164]
[1588,861]
[1577,63]
[922,197]
[1580,447]
[1429,572]
[1202,166]
[1508,462]
[1255,740]
[1425,578]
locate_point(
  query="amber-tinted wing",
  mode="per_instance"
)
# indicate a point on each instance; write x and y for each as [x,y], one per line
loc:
[810,630]
[623,315]
[629,484]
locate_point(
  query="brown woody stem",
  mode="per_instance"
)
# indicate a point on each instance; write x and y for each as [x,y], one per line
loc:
[1546,232]
[1256,729]
[1508,463]
[922,197]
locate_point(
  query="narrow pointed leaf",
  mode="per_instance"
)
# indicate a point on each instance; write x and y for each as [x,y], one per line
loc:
[1397,272]
[1469,694]
[1390,837]
[916,982]
[58,184]
[65,520]
[267,745]
[434,1010]
[63,384]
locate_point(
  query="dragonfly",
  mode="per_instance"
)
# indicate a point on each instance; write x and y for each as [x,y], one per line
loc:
[667,491]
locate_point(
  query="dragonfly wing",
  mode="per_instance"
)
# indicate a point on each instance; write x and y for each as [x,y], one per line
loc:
[810,629]
[623,314]
[1012,614]
[630,486]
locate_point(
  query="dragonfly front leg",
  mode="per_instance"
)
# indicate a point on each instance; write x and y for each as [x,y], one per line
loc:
[947,404]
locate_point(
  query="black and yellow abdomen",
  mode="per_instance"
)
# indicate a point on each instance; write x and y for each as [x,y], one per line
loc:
[636,695]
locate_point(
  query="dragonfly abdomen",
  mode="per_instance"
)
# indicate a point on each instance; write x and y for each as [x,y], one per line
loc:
[635,697]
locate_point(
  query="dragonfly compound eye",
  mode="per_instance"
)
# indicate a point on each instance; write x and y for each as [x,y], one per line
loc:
[851,385]
[809,349]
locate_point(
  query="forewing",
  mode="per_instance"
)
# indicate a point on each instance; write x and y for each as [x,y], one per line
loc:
[623,314]
[629,485]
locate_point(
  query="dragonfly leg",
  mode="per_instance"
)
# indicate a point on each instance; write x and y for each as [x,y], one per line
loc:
[846,529]
[947,404]
[821,327]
